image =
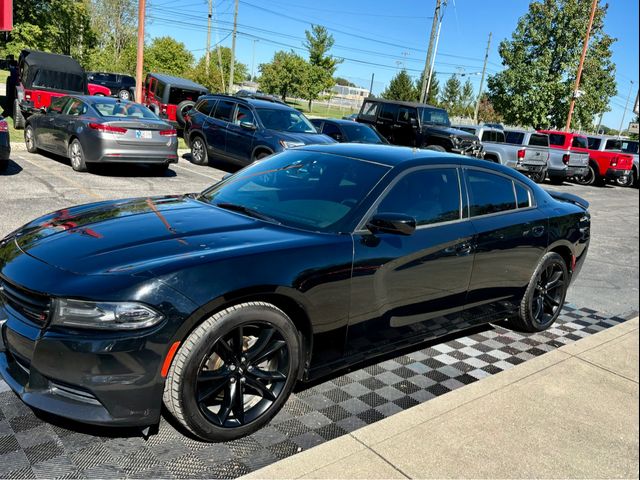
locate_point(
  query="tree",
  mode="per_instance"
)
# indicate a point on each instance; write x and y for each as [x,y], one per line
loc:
[115,23]
[318,74]
[434,88]
[401,88]
[486,112]
[541,61]
[450,99]
[344,82]
[167,55]
[467,104]
[216,81]
[282,76]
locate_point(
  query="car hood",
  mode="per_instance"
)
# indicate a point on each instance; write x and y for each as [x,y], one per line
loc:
[306,138]
[144,236]
[448,131]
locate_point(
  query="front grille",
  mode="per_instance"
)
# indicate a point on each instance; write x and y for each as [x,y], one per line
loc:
[34,306]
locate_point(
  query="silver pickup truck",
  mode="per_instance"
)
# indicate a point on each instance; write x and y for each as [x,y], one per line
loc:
[525,151]
[605,143]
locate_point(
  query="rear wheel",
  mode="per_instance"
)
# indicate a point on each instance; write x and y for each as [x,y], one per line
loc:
[18,117]
[545,295]
[538,177]
[30,139]
[76,156]
[590,178]
[234,372]
[627,181]
[199,154]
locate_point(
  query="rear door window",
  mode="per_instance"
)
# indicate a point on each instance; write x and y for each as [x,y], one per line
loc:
[579,142]
[539,140]
[556,139]
[613,144]
[523,195]
[224,110]
[406,115]
[75,108]
[389,112]
[206,106]
[331,130]
[515,138]
[490,193]
[57,104]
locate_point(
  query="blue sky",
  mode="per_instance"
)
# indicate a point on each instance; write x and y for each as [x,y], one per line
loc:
[381,36]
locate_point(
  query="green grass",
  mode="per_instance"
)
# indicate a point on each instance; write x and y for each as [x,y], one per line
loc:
[321,110]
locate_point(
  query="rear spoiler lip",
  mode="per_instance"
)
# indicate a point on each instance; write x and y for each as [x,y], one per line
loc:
[570,198]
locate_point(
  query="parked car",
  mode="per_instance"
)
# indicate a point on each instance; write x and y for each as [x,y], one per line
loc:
[348,131]
[42,77]
[5,145]
[568,156]
[119,85]
[98,90]
[90,130]
[605,166]
[527,152]
[293,268]
[171,97]
[242,130]
[614,145]
[353,117]
[418,125]
[258,96]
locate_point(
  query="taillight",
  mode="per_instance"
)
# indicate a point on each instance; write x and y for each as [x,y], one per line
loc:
[565,158]
[4,127]
[107,128]
[27,96]
[521,154]
[169,133]
[164,109]
[614,162]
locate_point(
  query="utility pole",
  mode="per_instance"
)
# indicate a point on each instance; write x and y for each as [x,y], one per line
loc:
[626,105]
[574,95]
[207,56]
[233,47]
[434,53]
[427,62]
[140,57]
[484,69]
[253,59]
[599,124]
[371,86]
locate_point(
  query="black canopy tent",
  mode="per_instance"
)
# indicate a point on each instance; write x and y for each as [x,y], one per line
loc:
[51,71]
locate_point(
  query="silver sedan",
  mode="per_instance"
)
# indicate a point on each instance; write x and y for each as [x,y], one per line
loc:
[90,130]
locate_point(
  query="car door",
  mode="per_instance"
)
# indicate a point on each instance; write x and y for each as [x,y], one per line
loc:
[404,130]
[215,128]
[45,131]
[63,124]
[386,121]
[510,238]
[408,288]
[241,132]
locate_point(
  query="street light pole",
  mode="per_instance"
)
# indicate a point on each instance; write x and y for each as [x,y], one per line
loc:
[140,56]
[233,47]
[253,59]
[626,105]
[207,57]
[484,69]
[427,62]
[574,95]
[435,51]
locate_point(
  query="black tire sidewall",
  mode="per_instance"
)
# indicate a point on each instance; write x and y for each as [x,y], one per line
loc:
[195,420]
[180,109]
[33,137]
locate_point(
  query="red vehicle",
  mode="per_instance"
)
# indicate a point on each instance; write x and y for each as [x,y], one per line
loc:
[95,89]
[40,77]
[171,97]
[568,156]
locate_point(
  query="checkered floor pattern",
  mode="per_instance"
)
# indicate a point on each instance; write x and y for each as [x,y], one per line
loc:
[35,447]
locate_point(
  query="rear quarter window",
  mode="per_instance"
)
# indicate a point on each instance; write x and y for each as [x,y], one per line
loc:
[490,193]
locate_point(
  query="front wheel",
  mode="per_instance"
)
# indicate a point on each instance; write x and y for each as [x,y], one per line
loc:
[545,295]
[124,94]
[30,139]
[76,156]
[234,372]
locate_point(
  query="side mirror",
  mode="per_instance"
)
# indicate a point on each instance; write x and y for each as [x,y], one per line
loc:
[395,223]
[248,125]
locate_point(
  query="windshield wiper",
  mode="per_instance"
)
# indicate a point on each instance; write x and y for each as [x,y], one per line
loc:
[247,211]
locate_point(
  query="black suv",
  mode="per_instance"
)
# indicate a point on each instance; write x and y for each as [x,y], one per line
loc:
[121,86]
[418,125]
[243,130]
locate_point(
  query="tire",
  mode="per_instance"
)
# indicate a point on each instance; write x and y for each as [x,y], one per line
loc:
[199,154]
[182,109]
[221,386]
[18,117]
[544,287]
[629,181]
[30,139]
[591,178]
[539,176]
[436,148]
[76,156]
[124,94]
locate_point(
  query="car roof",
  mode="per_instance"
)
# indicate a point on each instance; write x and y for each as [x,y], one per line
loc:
[178,82]
[522,130]
[404,104]
[251,101]
[339,121]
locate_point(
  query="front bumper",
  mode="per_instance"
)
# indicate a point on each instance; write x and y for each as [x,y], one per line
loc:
[477,152]
[615,174]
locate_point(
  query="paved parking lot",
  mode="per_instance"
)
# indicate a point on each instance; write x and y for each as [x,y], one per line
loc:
[36,184]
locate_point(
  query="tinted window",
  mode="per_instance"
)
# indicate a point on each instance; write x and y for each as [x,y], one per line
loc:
[361,133]
[539,140]
[76,107]
[59,81]
[369,110]
[613,144]
[488,136]
[389,111]
[285,120]
[117,109]
[330,129]
[430,196]
[224,110]
[630,147]
[556,139]
[57,104]
[177,95]
[243,114]
[515,138]
[489,193]
[302,189]
[206,106]
[499,137]
[406,115]
[579,142]
[594,143]
[522,195]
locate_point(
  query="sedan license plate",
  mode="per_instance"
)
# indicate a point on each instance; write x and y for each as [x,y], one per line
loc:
[143,134]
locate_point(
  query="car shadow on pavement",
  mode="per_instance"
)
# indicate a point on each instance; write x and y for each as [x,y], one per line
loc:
[12,169]
[217,164]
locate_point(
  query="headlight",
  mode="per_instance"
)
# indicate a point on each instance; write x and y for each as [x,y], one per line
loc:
[104,315]
[286,144]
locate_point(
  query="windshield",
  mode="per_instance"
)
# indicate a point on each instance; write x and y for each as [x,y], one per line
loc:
[360,133]
[300,189]
[127,110]
[435,116]
[285,120]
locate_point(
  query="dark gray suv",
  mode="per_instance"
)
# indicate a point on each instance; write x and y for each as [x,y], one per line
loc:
[242,130]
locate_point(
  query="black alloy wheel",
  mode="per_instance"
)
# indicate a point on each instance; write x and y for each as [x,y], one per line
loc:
[549,294]
[589,178]
[244,374]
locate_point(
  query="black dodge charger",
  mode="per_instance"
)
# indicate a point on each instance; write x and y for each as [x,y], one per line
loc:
[309,261]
